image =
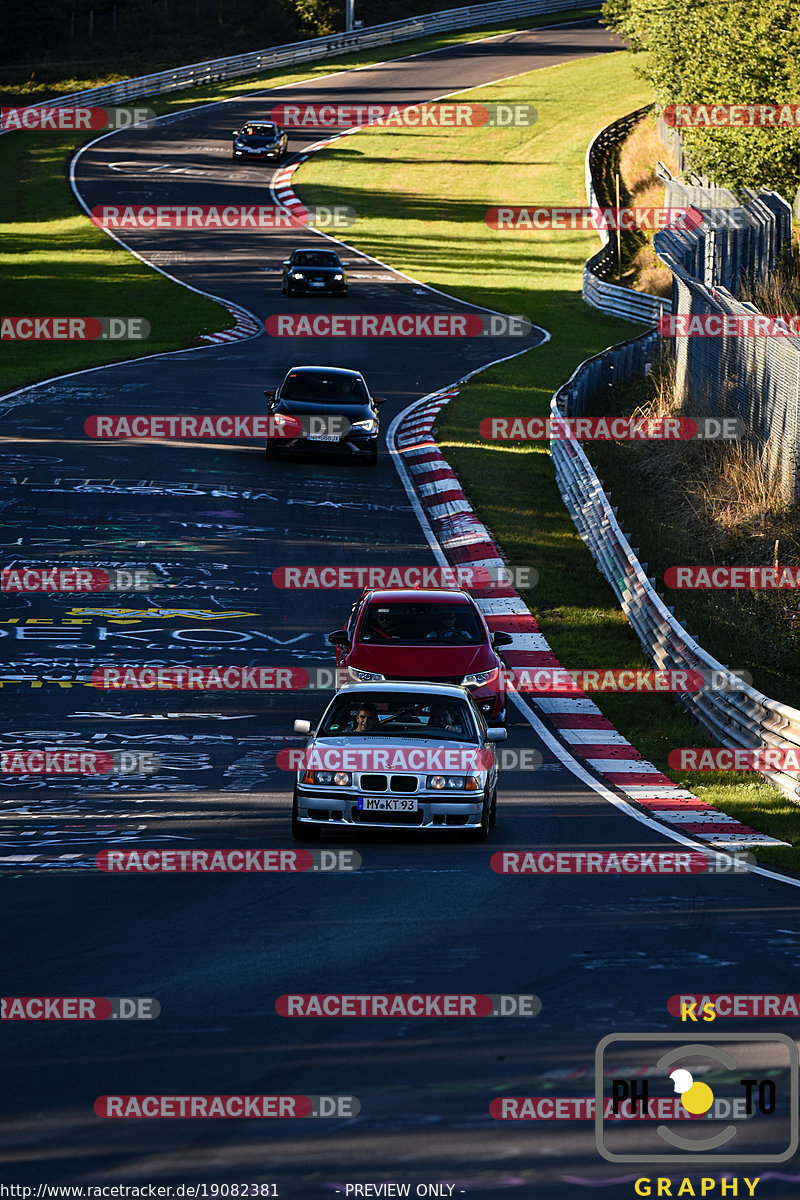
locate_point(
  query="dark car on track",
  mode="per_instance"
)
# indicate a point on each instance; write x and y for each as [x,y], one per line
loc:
[398,756]
[341,398]
[312,271]
[433,634]
[262,141]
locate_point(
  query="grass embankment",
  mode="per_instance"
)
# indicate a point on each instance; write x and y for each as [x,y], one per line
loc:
[421,197]
[56,263]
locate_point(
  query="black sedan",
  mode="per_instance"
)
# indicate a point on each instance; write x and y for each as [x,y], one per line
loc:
[261,140]
[325,409]
[310,271]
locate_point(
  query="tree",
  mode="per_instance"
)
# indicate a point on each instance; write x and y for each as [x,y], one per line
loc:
[722,52]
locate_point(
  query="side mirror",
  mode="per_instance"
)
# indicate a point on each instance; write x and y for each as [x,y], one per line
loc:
[339,637]
[379,400]
[302,727]
[287,262]
[501,639]
[498,734]
[270,395]
[234,133]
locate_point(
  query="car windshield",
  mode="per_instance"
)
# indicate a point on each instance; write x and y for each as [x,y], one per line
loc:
[399,715]
[315,258]
[421,624]
[265,131]
[334,389]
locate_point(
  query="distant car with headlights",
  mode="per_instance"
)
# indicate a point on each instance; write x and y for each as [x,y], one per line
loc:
[261,141]
[397,756]
[435,634]
[314,271]
[338,395]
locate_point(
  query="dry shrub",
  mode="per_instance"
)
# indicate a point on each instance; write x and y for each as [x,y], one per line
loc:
[641,150]
[727,484]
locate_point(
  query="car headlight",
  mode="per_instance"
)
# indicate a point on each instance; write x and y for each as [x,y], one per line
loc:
[338,277]
[479,678]
[454,783]
[369,426]
[297,274]
[365,676]
[281,418]
[326,778]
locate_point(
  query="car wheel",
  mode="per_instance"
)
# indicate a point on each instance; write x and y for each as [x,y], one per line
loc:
[301,832]
[482,832]
[271,450]
[493,810]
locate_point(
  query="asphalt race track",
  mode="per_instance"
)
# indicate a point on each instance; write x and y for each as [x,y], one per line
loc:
[214,519]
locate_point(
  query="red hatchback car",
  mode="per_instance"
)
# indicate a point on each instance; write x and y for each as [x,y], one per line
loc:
[436,636]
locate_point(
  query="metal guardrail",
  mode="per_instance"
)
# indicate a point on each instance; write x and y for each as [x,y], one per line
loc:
[254,62]
[598,290]
[739,715]
[756,379]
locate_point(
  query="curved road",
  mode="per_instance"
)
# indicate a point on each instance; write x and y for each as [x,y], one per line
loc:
[215,519]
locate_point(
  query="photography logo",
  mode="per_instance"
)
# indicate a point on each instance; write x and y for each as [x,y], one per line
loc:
[737,1104]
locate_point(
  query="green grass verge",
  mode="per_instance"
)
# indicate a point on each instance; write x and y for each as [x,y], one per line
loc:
[56,263]
[421,197]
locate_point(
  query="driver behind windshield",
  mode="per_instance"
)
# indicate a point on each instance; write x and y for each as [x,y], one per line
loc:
[383,626]
[366,718]
[452,627]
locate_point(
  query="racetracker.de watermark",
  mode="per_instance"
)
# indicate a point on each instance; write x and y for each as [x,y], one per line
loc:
[202,1107]
[224,425]
[77,579]
[263,862]
[759,758]
[532,218]
[462,575]
[113,217]
[200,679]
[39,117]
[732,578]
[727,1004]
[558,681]
[619,862]
[401,325]
[73,329]
[437,1004]
[437,761]
[78,762]
[583,1108]
[78,1008]
[611,429]
[768,115]
[459,115]
[738,325]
